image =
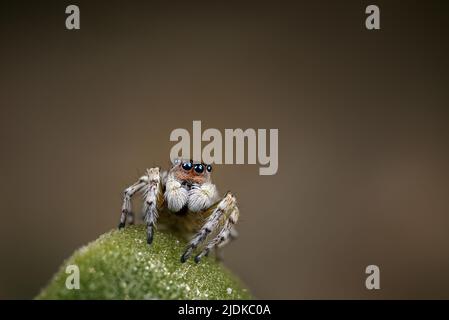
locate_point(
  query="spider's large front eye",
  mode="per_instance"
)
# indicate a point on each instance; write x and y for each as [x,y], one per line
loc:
[199,168]
[187,166]
[209,168]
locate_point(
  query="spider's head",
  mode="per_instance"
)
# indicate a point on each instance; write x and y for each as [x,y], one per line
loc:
[190,172]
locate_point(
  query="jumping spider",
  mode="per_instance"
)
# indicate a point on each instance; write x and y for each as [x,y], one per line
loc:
[184,199]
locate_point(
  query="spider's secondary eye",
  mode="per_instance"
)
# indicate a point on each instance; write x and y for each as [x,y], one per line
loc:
[187,166]
[209,168]
[199,168]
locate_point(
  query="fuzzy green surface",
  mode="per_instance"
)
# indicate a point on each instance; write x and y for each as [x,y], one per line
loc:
[121,265]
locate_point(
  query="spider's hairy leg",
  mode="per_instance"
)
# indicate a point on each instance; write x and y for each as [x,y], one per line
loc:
[127,194]
[153,201]
[222,236]
[228,237]
[218,244]
[224,215]
[226,234]
[232,235]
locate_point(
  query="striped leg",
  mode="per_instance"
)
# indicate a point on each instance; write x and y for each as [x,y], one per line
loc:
[223,216]
[127,194]
[153,200]
[223,237]
[230,236]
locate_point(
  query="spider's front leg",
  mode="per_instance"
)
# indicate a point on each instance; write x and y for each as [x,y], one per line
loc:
[154,199]
[220,222]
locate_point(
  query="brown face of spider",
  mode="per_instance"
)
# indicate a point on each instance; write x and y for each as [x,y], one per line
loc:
[190,172]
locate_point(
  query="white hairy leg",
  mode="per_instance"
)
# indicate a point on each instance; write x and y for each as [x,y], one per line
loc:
[127,194]
[153,198]
[226,234]
[175,195]
[225,213]
[202,197]
[231,235]
[222,236]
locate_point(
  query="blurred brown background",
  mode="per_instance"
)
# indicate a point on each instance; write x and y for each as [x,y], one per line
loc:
[363,126]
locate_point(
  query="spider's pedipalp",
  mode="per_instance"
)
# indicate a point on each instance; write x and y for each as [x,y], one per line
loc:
[127,194]
[202,197]
[223,216]
[175,195]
